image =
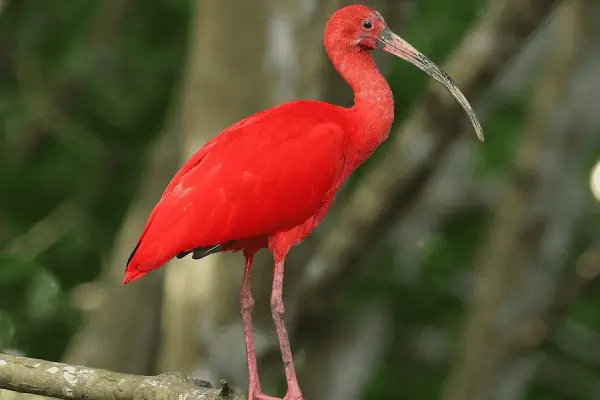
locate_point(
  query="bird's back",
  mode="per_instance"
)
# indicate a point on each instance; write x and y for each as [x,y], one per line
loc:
[268,172]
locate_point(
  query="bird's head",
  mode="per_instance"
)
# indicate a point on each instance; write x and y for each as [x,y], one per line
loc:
[360,28]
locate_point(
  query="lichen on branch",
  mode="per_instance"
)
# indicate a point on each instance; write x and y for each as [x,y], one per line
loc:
[64,381]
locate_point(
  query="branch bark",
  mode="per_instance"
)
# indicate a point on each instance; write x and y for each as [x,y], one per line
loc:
[64,381]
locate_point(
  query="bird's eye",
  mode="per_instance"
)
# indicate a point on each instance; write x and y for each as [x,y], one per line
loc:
[367,24]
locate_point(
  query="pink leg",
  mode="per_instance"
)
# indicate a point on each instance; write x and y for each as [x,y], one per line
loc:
[246,305]
[277,310]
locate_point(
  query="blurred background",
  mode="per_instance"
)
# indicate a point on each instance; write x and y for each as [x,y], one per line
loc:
[446,269]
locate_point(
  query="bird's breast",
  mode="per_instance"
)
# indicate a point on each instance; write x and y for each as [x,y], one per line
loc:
[367,139]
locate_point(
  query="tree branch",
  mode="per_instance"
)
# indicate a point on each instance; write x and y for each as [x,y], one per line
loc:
[64,381]
[47,231]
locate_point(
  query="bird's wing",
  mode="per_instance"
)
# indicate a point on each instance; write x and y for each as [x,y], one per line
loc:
[267,173]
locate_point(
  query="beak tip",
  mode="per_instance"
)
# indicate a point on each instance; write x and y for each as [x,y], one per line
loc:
[478,128]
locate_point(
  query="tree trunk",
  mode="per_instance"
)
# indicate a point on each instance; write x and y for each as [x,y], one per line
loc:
[225,80]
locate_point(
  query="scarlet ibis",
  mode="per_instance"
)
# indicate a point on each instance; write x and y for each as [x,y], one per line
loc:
[268,180]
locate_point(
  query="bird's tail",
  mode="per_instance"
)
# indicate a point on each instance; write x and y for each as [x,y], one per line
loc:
[138,267]
[132,274]
[146,257]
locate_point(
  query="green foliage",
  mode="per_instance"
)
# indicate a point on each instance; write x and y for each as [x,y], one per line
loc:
[503,136]
[435,30]
[14,270]
[85,89]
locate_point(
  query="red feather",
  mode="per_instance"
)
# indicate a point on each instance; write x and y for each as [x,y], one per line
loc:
[269,179]
[269,172]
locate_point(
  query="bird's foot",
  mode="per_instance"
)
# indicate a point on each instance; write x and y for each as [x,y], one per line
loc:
[262,396]
[293,395]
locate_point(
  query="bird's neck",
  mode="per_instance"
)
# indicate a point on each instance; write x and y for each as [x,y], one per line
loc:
[373,109]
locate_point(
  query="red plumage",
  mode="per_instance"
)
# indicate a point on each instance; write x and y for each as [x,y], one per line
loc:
[269,179]
[268,173]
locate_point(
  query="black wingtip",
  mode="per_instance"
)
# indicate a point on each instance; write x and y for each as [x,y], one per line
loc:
[198,253]
[207,251]
[137,246]
[183,254]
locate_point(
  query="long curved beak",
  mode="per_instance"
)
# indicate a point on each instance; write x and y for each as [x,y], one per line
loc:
[394,44]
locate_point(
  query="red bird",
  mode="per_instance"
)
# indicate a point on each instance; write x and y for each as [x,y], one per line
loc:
[268,180]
